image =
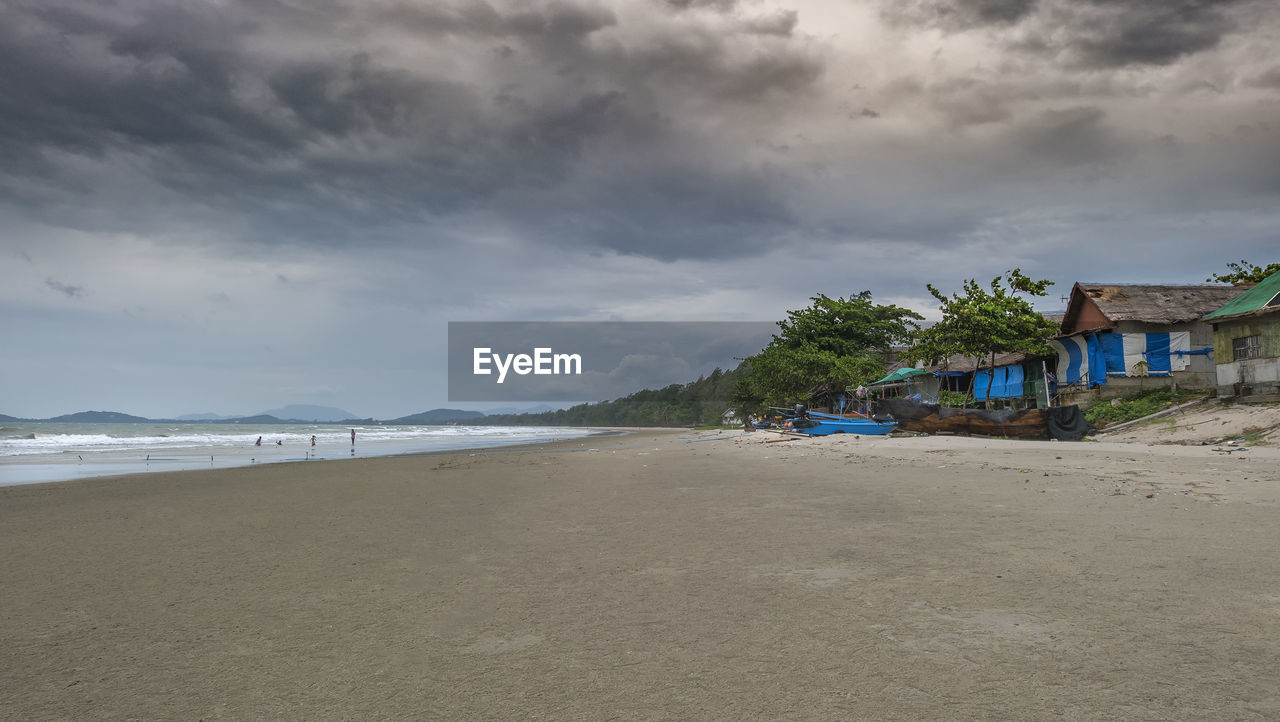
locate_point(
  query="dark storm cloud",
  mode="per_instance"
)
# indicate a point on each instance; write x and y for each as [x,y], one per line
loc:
[957,14]
[298,124]
[1150,32]
[1087,33]
[721,5]
[553,24]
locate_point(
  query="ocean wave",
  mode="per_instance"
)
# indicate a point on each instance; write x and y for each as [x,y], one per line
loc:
[59,443]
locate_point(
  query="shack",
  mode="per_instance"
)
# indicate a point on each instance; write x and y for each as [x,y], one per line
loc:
[1246,341]
[1119,338]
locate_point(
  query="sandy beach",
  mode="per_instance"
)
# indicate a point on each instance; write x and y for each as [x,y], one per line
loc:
[663,575]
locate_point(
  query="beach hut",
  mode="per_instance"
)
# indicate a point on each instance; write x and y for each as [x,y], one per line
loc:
[1246,341]
[907,382]
[1119,338]
[1015,380]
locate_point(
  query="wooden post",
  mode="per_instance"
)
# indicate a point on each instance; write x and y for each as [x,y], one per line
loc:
[1044,374]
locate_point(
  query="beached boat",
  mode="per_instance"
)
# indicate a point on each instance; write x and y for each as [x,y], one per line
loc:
[814,423]
[1013,423]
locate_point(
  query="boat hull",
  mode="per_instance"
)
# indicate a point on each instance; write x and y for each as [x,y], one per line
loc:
[932,419]
[827,425]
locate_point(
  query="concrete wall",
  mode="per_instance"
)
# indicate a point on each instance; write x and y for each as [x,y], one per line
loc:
[1250,376]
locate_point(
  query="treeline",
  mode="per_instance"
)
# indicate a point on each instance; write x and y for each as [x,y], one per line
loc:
[700,403]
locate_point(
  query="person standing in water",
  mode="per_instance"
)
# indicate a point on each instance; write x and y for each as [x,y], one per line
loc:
[353,438]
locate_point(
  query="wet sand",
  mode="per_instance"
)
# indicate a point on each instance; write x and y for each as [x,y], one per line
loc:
[664,578]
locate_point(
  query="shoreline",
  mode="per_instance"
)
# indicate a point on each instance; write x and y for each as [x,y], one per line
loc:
[656,577]
[19,470]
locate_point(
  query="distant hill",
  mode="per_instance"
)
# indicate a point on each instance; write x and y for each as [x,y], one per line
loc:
[259,419]
[9,418]
[99,417]
[307,412]
[438,416]
[206,416]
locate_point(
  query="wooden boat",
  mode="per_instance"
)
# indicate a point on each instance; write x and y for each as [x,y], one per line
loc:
[933,419]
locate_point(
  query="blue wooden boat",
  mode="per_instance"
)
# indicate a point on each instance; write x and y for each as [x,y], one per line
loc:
[814,423]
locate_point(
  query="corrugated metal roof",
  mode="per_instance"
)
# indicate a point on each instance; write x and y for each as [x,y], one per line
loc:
[1158,304]
[1265,294]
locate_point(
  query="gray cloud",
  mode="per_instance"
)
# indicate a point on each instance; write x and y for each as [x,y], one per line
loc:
[720,5]
[297,143]
[1151,32]
[1087,33]
[65,289]
[957,14]
[1268,79]
[404,164]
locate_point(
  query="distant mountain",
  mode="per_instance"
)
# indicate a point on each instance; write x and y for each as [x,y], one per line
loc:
[307,412]
[438,416]
[259,419]
[207,416]
[99,417]
[9,418]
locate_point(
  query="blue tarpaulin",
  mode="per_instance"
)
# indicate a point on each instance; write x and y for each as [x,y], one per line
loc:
[1097,362]
[1006,383]
[1157,354]
[1113,351]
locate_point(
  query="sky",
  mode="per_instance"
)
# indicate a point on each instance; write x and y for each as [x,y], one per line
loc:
[231,206]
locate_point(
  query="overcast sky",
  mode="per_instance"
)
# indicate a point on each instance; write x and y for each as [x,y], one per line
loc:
[231,206]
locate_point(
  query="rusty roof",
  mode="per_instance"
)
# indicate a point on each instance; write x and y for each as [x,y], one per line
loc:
[1152,303]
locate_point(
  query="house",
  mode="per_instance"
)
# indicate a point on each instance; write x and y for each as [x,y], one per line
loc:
[1246,341]
[1115,337]
[729,418]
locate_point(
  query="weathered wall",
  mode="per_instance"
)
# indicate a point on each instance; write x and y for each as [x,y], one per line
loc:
[1255,376]
[1089,317]
[1201,371]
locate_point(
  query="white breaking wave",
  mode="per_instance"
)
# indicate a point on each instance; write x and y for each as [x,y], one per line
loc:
[430,436]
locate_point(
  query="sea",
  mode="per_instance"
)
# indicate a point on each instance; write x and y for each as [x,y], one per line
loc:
[41,451]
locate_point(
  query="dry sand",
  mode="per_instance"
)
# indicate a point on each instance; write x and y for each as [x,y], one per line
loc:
[831,578]
[1207,422]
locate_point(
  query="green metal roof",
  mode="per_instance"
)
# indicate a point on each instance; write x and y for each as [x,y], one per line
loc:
[1258,297]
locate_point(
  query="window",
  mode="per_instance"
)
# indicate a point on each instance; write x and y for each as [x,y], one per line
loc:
[1246,347]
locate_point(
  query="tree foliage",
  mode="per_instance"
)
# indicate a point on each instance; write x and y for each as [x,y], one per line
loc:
[836,342]
[1244,272]
[697,403]
[984,323]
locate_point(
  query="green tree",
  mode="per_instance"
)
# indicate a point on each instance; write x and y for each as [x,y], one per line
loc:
[1244,272]
[984,323]
[835,341]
